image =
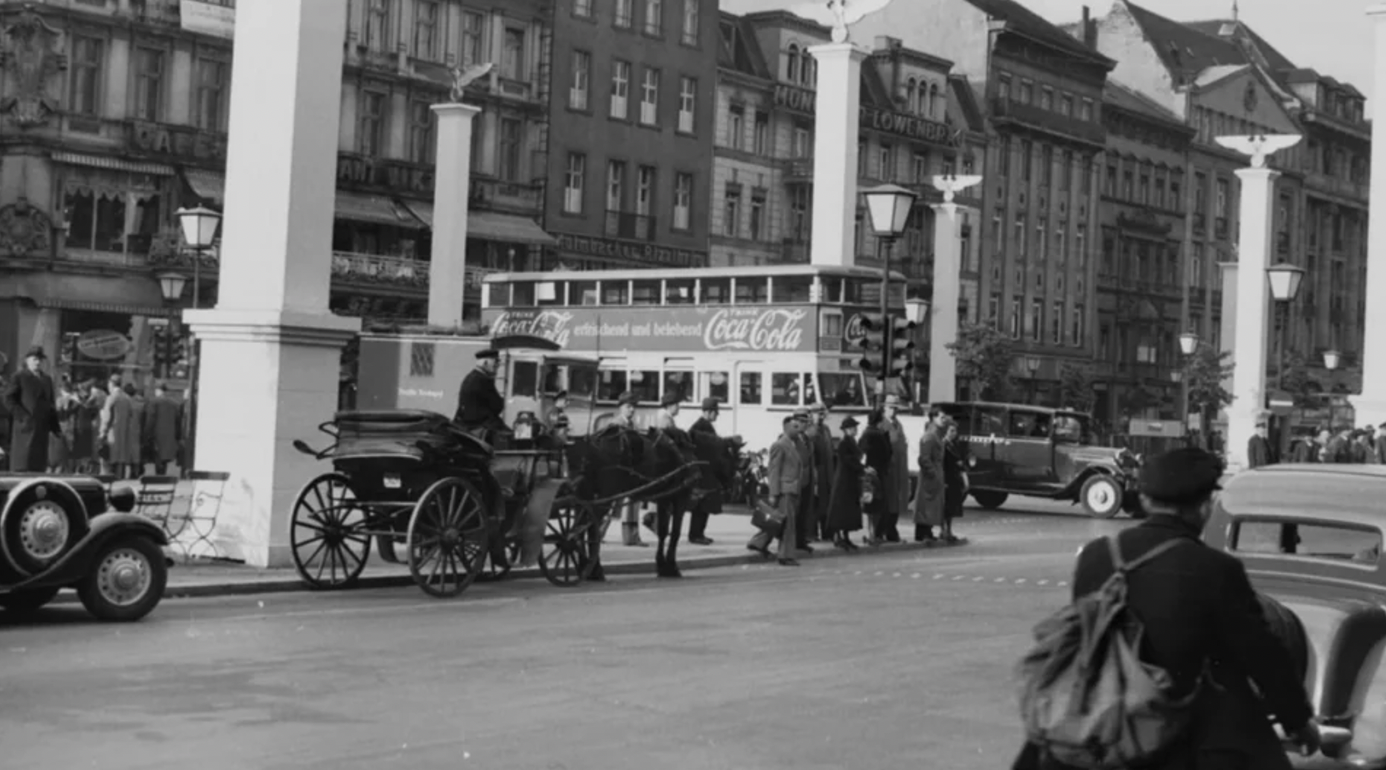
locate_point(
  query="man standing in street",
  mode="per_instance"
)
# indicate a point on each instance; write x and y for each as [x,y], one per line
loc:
[1258,448]
[32,405]
[480,407]
[1380,449]
[162,428]
[697,524]
[787,475]
[804,518]
[820,438]
[897,481]
[668,410]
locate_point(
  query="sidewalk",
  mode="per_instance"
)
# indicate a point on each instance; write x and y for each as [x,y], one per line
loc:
[728,531]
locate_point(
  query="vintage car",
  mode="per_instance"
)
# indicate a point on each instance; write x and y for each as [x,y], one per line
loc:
[1310,537]
[1034,451]
[72,531]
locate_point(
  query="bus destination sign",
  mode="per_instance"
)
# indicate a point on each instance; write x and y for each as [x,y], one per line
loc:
[749,329]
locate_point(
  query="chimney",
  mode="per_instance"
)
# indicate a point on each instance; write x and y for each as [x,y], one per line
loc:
[1089,29]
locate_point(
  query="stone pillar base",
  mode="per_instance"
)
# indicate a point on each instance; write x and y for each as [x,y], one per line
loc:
[266,378]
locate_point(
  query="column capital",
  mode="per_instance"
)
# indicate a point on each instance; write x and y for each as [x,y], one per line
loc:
[455,108]
[950,208]
[1258,174]
[1378,10]
[282,326]
[839,50]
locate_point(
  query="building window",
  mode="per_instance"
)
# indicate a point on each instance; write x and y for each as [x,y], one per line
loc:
[513,56]
[421,144]
[688,99]
[88,65]
[1026,159]
[1016,302]
[371,124]
[1086,112]
[683,201]
[731,211]
[803,142]
[511,133]
[573,183]
[378,25]
[736,125]
[1061,242]
[649,98]
[690,22]
[1066,105]
[1046,166]
[1020,235]
[620,89]
[762,136]
[615,185]
[1066,171]
[1056,321]
[757,216]
[624,12]
[1003,157]
[644,190]
[1221,204]
[1041,243]
[921,168]
[1046,98]
[1128,184]
[1036,320]
[799,212]
[426,29]
[791,66]
[654,17]
[886,163]
[1076,328]
[211,94]
[1026,92]
[149,83]
[582,73]
[1080,245]
[582,8]
[472,38]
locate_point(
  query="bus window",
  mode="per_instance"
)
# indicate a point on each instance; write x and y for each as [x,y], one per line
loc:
[550,293]
[842,389]
[751,291]
[582,292]
[612,385]
[784,389]
[832,288]
[854,290]
[810,392]
[644,293]
[714,385]
[645,386]
[716,291]
[523,294]
[497,294]
[555,378]
[679,291]
[791,288]
[582,382]
[524,378]
[615,293]
[750,388]
[680,383]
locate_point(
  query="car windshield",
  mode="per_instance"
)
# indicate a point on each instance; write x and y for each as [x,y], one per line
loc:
[843,389]
[1072,429]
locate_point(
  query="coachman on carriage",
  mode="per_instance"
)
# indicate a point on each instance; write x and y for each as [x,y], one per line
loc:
[470,505]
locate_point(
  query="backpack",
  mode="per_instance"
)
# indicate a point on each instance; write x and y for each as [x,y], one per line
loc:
[1086,698]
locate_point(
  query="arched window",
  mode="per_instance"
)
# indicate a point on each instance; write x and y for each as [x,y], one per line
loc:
[810,71]
[933,98]
[911,97]
[792,75]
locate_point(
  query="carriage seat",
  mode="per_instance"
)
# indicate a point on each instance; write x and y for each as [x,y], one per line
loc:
[406,427]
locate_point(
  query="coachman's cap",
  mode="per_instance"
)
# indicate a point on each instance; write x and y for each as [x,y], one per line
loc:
[1181,476]
[850,422]
[670,399]
[711,404]
[627,398]
[485,354]
[37,352]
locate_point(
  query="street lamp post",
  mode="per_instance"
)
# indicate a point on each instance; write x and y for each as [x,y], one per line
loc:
[1285,279]
[889,207]
[916,310]
[200,226]
[1188,345]
[1032,365]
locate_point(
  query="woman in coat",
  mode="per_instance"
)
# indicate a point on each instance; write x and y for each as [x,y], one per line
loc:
[85,419]
[60,451]
[844,503]
[928,500]
[119,432]
[955,483]
[875,446]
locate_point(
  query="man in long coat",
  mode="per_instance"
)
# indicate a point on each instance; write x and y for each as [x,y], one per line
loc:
[162,428]
[480,407]
[1258,448]
[897,482]
[32,404]
[710,503]
[118,432]
[929,497]
[820,438]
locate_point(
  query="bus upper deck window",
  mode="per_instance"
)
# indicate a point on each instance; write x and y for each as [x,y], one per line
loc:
[498,294]
[523,294]
[582,292]
[644,293]
[678,291]
[615,293]
[832,289]
[792,288]
[750,291]
[716,291]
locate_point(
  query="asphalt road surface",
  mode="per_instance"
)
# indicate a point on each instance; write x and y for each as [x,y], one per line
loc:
[888,660]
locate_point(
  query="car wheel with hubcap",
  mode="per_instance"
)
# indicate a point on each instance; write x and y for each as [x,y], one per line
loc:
[126,581]
[988,499]
[27,600]
[1101,496]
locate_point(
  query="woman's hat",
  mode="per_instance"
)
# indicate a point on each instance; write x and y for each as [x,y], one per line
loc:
[482,355]
[850,422]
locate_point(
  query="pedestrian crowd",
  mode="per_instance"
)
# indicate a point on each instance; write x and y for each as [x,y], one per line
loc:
[1352,445]
[107,428]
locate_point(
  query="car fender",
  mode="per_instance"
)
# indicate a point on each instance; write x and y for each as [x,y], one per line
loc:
[76,563]
[21,494]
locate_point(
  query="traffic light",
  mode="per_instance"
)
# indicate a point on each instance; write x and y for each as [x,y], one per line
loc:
[872,344]
[901,346]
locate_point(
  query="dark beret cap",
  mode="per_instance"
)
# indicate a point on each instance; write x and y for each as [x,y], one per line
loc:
[1184,475]
[486,353]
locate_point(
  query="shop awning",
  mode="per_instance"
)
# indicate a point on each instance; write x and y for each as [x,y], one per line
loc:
[376,209]
[492,225]
[131,295]
[207,185]
[114,164]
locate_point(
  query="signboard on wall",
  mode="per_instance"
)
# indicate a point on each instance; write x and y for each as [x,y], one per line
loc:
[208,18]
[103,345]
[782,329]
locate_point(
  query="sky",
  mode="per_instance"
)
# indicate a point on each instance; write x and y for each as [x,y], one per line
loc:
[1333,37]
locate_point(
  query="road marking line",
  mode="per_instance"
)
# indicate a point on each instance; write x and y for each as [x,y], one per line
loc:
[1043,582]
[978,579]
[1000,580]
[1019,581]
[1063,583]
[936,577]
[915,576]
[959,577]
[879,573]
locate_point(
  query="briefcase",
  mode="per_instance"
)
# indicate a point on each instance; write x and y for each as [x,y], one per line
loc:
[768,518]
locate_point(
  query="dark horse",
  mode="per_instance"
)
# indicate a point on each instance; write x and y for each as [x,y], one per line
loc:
[671,468]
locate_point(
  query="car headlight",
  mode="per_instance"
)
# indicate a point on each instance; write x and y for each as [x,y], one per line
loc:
[123,499]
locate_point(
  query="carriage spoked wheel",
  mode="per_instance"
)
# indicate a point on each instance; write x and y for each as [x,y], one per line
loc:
[327,533]
[491,572]
[565,556]
[447,537]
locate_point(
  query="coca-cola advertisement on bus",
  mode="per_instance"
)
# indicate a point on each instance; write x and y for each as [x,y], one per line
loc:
[778,329]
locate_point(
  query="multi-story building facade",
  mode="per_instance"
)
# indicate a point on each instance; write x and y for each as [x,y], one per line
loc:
[1220,78]
[117,118]
[1043,91]
[1140,270]
[631,164]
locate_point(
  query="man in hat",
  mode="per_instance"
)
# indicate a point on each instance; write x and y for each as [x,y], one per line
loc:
[480,407]
[896,487]
[625,410]
[808,480]
[820,439]
[1258,448]
[559,413]
[668,410]
[1201,615]
[630,520]
[697,525]
[786,474]
[32,404]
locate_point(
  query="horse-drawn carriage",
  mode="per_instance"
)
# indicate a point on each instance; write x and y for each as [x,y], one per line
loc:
[465,510]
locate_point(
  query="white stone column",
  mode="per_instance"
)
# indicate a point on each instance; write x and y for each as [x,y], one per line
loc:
[943,306]
[1253,303]
[447,269]
[836,120]
[1371,404]
[271,349]
[1227,329]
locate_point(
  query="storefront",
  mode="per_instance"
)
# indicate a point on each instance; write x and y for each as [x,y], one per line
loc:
[112,209]
[587,252]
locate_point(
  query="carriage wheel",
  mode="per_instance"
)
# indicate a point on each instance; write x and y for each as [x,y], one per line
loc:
[565,556]
[491,572]
[447,537]
[327,534]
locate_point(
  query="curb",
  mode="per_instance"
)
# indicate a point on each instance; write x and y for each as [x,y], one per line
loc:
[647,567]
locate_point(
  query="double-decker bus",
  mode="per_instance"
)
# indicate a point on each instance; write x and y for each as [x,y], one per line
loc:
[764,341]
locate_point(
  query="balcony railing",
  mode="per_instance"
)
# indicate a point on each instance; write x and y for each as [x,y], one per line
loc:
[496,193]
[638,227]
[1006,110]
[374,268]
[1315,180]
[799,170]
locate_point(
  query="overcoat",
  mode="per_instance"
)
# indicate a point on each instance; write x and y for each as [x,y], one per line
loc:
[897,481]
[954,478]
[118,428]
[162,428]
[712,500]
[844,505]
[479,404]
[821,439]
[875,447]
[138,410]
[34,418]
[928,502]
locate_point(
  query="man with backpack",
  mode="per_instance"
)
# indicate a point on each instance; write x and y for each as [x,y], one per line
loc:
[1153,665]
